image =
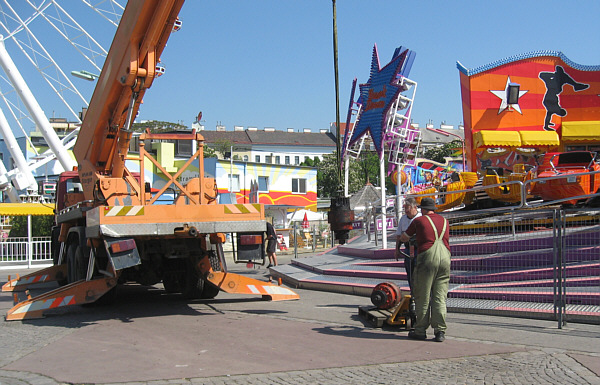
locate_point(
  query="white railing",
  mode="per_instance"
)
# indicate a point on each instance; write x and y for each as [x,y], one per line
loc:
[20,252]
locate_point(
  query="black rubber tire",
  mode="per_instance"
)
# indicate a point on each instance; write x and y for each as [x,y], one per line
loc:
[209,291]
[193,285]
[171,283]
[81,263]
[70,260]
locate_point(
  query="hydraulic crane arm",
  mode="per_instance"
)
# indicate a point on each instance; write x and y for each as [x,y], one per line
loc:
[128,71]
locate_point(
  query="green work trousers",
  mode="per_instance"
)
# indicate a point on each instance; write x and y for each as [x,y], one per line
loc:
[430,285]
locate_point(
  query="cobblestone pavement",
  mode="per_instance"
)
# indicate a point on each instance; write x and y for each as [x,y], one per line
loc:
[538,352]
[531,367]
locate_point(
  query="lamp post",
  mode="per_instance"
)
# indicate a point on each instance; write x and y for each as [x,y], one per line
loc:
[462,141]
[85,75]
[231,194]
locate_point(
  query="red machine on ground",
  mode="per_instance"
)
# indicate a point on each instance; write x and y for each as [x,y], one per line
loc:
[109,227]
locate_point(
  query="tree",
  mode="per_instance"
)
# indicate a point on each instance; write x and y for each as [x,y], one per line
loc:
[222,146]
[41,225]
[362,170]
[157,126]
[209,152]
[438,154]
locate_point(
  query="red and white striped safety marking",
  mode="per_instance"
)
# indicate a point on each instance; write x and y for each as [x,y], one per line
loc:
[270,289]
[30,280]
[46,304]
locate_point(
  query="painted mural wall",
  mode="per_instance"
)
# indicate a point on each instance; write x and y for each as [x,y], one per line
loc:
[279,184]
[558,104]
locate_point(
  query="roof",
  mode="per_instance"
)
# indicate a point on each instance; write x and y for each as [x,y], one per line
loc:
[529,55]
[368,195]
[428,136]
[238,137]
[16,209]
[271,137]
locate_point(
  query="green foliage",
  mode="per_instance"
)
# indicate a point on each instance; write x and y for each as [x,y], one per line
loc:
[209,152]
[41,225]
[363,170]
[221,146]
[157,126]
[437,154]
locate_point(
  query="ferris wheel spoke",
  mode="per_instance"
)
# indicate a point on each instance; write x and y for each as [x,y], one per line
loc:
[113,15]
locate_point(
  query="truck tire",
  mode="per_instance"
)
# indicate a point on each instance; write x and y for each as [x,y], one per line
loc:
[193,285]
[70,257]
[210,291]
[81,263]
[171,283]
[77,263]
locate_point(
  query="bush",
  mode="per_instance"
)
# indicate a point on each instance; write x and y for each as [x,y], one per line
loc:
[41,225]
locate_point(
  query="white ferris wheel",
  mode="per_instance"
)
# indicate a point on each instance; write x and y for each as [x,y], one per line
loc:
[48,49]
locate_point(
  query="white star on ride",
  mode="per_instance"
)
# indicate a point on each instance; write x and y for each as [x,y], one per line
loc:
[502,95]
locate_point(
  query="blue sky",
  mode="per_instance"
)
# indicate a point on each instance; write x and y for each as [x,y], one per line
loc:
[269,63]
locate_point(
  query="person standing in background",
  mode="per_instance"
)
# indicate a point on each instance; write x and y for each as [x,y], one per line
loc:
[432,271]
[411,212]
[271,245]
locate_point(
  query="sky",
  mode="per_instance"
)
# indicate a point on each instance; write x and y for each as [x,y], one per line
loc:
[267,63]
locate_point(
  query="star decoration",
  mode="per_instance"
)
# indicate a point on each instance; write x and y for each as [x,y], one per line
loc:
[502,95]
[376,98]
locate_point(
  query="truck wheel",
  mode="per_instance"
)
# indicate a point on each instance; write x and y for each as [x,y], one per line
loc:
[209,291]
[81,263]
[193,284]
[171,283]
[70,256]
[77,263]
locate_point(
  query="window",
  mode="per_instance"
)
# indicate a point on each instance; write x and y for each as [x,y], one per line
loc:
[277,159]
[245,158]
[298,186]
[183,148]
[268,159]
[287,159]
[296,160]
[235,182]
[263,183]
[257,158]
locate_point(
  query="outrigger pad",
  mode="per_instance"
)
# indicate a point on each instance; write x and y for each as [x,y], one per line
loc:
[239,284]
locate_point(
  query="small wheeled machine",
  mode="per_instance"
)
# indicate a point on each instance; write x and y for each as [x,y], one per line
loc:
[391,306]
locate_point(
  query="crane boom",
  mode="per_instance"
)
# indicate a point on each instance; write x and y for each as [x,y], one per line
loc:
[129,70]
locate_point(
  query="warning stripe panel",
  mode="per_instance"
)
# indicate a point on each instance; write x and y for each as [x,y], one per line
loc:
[242,208]
[46,304]
[123,211]
[269,289]
[34,279]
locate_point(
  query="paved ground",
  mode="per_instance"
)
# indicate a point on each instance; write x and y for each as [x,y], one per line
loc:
[149,337]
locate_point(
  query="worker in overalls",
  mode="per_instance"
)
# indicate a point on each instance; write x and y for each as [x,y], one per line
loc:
[432,271]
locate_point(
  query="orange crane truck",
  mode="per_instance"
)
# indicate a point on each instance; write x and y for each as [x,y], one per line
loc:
[110,228]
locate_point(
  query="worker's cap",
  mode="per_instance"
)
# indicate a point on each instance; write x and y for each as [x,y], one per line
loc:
[427,204]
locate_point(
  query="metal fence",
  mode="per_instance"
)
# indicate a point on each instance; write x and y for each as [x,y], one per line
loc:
[20,252]
[527,262]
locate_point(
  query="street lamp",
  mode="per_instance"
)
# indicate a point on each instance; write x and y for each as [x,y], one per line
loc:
[462,141]
[85,75]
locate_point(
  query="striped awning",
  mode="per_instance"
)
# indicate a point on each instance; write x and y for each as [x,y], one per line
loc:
[494,138]
[581,131]
[16,209]
[539,138]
